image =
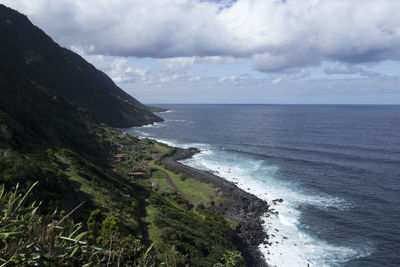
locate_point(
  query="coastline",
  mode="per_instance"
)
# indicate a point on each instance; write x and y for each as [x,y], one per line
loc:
[242,207]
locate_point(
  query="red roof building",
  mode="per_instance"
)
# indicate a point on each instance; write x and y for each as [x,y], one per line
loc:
[120,156]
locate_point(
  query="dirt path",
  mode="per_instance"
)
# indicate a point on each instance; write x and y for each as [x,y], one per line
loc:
[171,183]
[143,225]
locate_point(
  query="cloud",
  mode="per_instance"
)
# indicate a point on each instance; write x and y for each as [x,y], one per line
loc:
[277,35]
[277,81]
[231,78]
[352,69]
[178,63]
[117,68]
[195,79]
[182,63]
[166,79]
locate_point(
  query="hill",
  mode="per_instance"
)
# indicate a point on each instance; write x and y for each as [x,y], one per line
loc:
[50,94]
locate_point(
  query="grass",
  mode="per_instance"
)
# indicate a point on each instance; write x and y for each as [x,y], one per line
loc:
[154,232]
[112,194]
[198,192]
[162,148]
[158,177]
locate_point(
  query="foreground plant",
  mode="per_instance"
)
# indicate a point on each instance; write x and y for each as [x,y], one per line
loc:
[31,239]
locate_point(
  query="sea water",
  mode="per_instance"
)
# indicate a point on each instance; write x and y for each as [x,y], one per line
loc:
[337,169]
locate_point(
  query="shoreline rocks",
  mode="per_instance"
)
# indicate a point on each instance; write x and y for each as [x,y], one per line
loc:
[242,207]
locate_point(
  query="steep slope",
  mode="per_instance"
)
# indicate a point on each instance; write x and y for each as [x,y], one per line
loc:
[48,92]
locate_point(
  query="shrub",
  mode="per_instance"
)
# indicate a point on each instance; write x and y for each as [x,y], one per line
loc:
[232,259]
[94,223]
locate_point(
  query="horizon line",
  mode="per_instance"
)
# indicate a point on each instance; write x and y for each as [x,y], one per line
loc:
[273,104]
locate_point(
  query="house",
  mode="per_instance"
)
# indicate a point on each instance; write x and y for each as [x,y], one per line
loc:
[155,185]
[121,157]
[137,168]
[122,135]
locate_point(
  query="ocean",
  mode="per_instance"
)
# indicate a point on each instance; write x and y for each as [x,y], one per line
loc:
[337,168]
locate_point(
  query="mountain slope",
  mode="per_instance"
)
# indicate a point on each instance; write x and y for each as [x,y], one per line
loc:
[49,92]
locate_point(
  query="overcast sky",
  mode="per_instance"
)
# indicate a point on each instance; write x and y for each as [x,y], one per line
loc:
[244,51]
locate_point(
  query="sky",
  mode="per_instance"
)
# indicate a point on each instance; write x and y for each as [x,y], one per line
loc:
[242,51]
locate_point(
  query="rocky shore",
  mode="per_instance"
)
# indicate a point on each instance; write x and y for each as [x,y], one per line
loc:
[242,207]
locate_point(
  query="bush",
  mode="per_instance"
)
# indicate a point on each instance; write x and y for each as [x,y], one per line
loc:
[94,223]
[232,259]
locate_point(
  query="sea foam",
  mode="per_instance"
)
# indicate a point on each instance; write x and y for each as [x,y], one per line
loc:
[289,244]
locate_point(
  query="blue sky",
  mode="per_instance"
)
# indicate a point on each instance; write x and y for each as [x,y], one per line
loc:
[244,51]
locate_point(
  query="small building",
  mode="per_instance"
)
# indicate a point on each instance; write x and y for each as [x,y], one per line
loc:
[121,157]
[122,135]
[137,168]
[155,185]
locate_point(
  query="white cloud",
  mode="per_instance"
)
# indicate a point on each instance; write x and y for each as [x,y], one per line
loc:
[277,81]
[178,63]
[182,63]
[118,68]
[277,35]
[166,78]
[231,78]
[195,79]
[351,69]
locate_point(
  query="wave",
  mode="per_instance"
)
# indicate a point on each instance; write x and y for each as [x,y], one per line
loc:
[155,125]
[342,164]
[186,122]
[167,111]
[322,153]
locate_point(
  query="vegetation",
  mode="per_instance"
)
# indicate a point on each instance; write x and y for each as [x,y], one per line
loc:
[111,206]
[31,239]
